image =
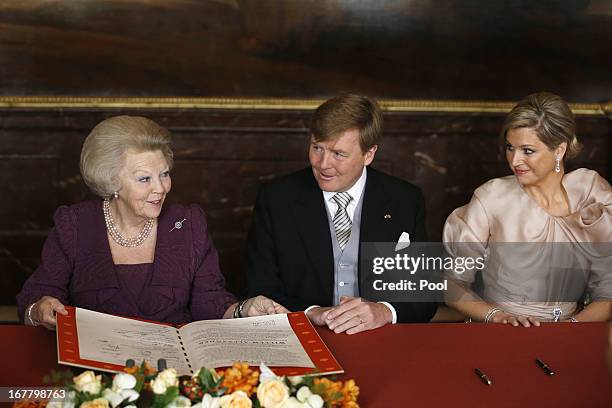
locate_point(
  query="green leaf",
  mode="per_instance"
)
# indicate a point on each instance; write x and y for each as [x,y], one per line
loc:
[82,396]
[308,381]
[207,380]
[220,392]
[161,400]
[139,383]
[337,395]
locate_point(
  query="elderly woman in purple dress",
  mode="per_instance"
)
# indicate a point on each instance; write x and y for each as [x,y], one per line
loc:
[129,253]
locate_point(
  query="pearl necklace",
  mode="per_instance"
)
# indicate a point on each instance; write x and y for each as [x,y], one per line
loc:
[116,235]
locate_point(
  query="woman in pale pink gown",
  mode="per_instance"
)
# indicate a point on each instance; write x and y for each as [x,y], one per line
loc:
[546,235]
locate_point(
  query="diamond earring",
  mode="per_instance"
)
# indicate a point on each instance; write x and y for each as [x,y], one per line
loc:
[558,164]
[115,195]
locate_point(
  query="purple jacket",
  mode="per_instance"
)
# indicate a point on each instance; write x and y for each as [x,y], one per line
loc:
[182,284]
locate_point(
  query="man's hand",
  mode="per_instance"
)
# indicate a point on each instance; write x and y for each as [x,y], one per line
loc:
[354,315]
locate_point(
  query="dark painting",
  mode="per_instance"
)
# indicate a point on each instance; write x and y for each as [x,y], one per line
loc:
[394,49]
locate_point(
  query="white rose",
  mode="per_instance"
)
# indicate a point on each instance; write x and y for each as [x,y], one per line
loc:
[315,401]
[114,398]
[169,377]
[117,397]
[179,402]
[238,399]
[295,379]
[158,386]
[88,382]
[70,401]
[67,402]
[124,381]
[292,402]
[272,393]
[266,374]
[97,403]
[303,394]
[208,401]
[130,395]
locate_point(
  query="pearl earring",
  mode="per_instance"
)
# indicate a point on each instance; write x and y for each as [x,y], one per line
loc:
[558,164]
[115,195]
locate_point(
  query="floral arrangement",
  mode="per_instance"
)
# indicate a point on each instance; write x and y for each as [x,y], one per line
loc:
[236,387]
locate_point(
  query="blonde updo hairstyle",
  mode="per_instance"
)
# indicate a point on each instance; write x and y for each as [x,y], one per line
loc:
[103,153]
[550,117]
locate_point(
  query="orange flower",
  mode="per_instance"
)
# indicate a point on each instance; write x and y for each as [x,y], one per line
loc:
[30,404]
[131,370]
[240,378]
[148,370]
[337,393]
[330,391]
[350,391]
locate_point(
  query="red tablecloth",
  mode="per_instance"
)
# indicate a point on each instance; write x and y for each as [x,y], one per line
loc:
[420,365]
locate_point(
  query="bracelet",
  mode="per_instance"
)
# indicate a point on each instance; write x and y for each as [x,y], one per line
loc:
[490,313]
[29,315]
[573,319]
[239,309]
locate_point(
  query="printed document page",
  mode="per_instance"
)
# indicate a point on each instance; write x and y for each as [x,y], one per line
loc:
[221,343]
[114,339]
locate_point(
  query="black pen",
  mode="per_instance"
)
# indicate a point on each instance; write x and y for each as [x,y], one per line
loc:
[544,367]
[483,376]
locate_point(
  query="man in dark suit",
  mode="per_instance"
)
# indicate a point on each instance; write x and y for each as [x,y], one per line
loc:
[303,247]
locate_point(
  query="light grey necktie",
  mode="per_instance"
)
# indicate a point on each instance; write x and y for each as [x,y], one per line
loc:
[342,222]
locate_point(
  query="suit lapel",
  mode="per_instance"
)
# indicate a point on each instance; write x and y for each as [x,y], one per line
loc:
[313,226]
[376,215]
[377,210]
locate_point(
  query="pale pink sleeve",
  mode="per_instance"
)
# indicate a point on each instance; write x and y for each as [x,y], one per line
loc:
[466,234]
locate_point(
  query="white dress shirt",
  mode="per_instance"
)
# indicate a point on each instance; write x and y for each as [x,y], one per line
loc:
[356,191]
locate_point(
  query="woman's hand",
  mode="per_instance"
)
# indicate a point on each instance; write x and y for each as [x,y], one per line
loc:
[44,310]
[261,305]
[507,318]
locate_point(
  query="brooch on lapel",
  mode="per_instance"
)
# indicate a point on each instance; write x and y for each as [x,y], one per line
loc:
[178,225]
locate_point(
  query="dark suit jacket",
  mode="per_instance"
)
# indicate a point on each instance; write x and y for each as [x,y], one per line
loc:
[290,254]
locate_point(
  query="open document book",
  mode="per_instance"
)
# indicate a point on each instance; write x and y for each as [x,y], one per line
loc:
[286,343]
